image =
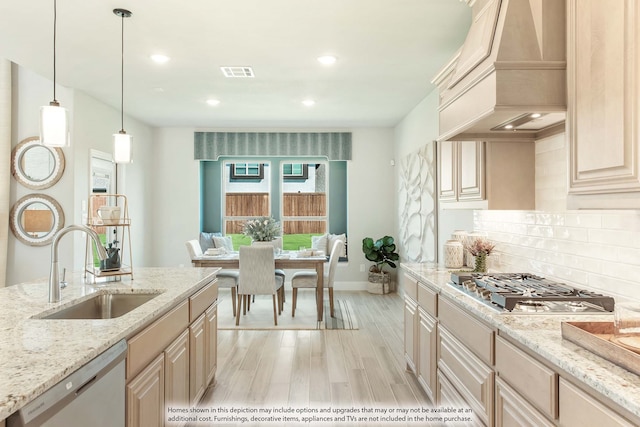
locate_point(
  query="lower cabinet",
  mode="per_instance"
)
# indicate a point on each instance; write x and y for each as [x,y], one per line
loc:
[145,396]
[410,341]
[427,357]
[579,409]
[512,410]
[172,361]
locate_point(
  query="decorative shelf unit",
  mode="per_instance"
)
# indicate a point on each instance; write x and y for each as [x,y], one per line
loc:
[114,229]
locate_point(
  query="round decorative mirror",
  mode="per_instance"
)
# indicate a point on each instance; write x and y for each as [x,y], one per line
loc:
[35,219]
[36,166]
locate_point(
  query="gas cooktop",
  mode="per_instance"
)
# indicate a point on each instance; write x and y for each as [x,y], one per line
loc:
[527,293]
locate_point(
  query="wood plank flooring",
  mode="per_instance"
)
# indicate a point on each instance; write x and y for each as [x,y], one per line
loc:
[319,368]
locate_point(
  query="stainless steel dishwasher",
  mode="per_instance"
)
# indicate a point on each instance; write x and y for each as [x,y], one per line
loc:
[91,396]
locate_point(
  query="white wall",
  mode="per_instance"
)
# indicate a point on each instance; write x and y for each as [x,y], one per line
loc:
[176,196]
[92,124]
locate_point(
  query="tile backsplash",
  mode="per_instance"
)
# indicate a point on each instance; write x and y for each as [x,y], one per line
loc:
[599,250]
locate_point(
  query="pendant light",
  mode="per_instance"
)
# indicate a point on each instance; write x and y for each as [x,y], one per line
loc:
[122,141]
[54,121]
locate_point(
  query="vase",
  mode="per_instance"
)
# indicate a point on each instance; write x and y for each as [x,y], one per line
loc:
[481,263]
[453,254]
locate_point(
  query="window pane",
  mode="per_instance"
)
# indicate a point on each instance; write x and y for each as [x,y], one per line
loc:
[304,198]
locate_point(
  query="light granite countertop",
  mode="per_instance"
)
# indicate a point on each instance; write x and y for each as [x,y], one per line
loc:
[35,354]
[542,335]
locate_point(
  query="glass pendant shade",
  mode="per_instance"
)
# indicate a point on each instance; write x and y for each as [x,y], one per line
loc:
[54,125]
[122,147]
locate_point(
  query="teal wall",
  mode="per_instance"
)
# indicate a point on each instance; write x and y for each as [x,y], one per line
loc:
[211,193]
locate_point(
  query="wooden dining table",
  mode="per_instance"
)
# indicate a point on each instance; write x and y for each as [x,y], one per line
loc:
[281,261]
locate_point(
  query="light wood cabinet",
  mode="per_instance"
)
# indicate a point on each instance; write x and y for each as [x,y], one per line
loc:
[211,343]
[145,396]
[603,113]
[512,410]
[173,359]
[487,174]
[427,355]
[176,368]
[410,332]
[579,409]
[197,347]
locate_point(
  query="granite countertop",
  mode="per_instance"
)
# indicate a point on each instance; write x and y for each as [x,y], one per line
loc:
[35,354]
[541,334]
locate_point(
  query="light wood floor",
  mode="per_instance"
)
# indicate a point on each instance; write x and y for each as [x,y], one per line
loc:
[320,368]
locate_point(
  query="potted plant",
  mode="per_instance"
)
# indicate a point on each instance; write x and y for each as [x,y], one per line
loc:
[382,252]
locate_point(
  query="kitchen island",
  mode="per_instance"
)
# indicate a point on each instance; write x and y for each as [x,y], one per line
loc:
[35,354]
[536,337]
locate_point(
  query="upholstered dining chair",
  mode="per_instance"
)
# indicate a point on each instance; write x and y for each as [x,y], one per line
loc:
[309,279]
[226,278]
[257,277]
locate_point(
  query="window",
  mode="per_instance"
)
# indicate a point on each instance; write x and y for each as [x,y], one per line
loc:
[295,171]
[247,170]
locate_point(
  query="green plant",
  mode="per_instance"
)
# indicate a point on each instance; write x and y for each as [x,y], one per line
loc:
[263,229]
[382,252]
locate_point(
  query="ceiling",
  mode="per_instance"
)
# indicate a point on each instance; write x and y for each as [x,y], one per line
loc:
[387,50]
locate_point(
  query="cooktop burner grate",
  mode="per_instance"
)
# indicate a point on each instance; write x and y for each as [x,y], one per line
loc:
[518,290]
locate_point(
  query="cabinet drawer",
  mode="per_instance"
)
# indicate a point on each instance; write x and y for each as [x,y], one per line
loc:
[475,335]
[145,346]
[530,378]
[473,379]
[410,287]
[202,299]
[428,299]
[514,410]
[579,409]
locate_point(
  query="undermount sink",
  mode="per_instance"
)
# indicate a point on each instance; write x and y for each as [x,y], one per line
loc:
[103,306]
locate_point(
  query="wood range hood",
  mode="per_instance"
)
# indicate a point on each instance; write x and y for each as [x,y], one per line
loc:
[508,80]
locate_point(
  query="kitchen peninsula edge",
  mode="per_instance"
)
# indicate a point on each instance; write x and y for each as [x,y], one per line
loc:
[540,335]
[37,353]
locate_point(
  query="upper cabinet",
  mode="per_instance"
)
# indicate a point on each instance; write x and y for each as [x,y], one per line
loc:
[603,114]
[487,175]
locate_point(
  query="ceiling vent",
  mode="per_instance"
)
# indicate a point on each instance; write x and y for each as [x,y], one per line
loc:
[237,72]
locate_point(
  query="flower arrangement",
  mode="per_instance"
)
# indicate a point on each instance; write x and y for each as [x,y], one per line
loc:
[480,248]
[263,229]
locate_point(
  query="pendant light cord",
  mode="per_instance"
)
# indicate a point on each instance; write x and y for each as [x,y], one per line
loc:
[122,79]
[55,18]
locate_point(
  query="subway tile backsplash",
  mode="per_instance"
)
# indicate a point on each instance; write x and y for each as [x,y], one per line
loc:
[599,250]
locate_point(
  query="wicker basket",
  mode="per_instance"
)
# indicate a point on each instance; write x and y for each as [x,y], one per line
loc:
[379,283]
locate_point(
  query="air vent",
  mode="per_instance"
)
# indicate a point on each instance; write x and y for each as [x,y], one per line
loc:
[237,72]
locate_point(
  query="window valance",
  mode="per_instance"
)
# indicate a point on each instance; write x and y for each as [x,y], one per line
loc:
[213,145]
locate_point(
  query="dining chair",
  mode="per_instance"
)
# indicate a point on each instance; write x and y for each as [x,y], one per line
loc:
[257,277]
[309,279]
[226,278]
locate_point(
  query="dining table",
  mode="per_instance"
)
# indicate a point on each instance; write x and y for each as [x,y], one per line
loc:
[295,261]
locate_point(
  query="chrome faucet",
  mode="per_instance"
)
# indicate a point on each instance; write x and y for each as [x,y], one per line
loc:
[54,275]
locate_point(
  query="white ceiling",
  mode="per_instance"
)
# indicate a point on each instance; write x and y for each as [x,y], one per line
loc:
[388,51]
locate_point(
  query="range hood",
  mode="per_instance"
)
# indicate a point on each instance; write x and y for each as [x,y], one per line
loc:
[508,80]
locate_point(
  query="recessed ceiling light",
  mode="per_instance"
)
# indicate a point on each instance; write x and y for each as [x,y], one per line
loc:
[327,59]
[308,102]
[160,59]
[508,127]
[536,115]
[213,102]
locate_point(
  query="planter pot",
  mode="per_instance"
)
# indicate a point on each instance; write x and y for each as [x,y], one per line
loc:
[379,283]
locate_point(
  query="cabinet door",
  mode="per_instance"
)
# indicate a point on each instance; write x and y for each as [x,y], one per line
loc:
[579,409]
[448,168]
[145,396]
[427,355]
[410,329]
[176,370]
[211,334]
[470,170]
[512,410]
[604,40]
[197,350]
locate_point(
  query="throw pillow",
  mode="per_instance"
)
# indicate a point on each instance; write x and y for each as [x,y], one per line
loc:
[223,242]
[319,243]
[332,238]
[206,240]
